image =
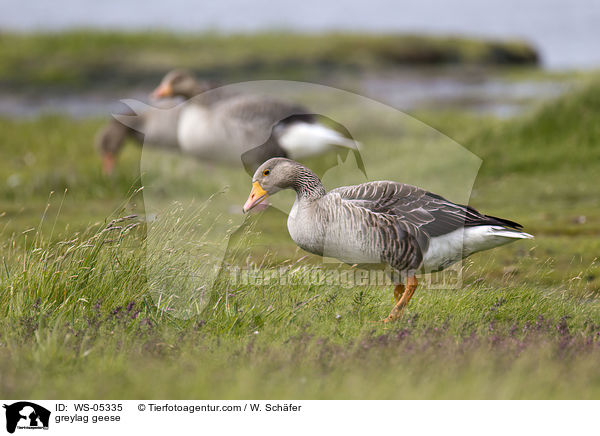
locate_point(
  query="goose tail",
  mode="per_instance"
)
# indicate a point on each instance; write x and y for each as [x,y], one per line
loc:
[510,233]
[481,238]
[302,139]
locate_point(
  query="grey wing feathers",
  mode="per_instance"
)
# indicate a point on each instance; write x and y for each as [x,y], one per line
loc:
[400,242]
[265,110]
[428,212]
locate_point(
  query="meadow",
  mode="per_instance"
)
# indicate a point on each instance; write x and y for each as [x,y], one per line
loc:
[77,319]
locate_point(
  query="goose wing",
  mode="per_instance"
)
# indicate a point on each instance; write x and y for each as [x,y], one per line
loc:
[427,212]
[375,209]
[263,112]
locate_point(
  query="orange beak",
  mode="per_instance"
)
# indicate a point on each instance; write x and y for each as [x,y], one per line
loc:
[257,195]
[108,163]
[163,90]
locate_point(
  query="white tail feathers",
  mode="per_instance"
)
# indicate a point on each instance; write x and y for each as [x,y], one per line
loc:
[480,238]
[446,249]
[508,233]
[301,140]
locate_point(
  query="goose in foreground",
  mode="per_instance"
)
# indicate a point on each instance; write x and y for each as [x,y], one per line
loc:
[224,126]
[380,223]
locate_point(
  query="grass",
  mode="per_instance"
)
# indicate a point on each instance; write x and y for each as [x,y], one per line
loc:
[91,60]
[78,317]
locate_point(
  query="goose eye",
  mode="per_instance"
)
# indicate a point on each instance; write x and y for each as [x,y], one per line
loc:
[266,172]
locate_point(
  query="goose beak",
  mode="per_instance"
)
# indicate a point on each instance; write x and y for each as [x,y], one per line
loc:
[163,90]
[108,163]
[257,195]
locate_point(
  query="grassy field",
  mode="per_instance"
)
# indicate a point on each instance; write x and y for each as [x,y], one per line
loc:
[77,318]
[85,60]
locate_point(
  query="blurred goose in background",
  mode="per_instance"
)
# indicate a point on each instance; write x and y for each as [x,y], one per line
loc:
[157,126]
[221,126]
[224,126]
[381,224]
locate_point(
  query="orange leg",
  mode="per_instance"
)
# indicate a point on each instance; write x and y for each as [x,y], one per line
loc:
[409,290]
[398,291]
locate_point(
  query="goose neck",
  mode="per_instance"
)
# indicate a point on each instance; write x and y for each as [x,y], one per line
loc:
[307,185]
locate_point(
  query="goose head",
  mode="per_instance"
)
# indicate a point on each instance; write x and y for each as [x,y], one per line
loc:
[271,177]
[110,140]
[180,83]
[280,173]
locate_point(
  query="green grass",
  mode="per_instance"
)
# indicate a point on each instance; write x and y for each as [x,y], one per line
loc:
[77,317]
[91,60]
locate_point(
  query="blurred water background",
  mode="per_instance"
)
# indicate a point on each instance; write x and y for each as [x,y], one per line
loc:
[564,33]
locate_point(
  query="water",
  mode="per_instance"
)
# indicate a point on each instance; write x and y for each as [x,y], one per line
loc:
[407,91]
[483,95]
[566,33]
[80,105]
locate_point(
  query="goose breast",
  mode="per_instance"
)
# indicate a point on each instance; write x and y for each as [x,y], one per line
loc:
[330,227]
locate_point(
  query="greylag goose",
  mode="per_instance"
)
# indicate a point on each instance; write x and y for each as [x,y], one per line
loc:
[223,126]
[380,223]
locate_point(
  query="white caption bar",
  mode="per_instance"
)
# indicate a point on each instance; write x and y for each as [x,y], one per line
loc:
[298,417]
